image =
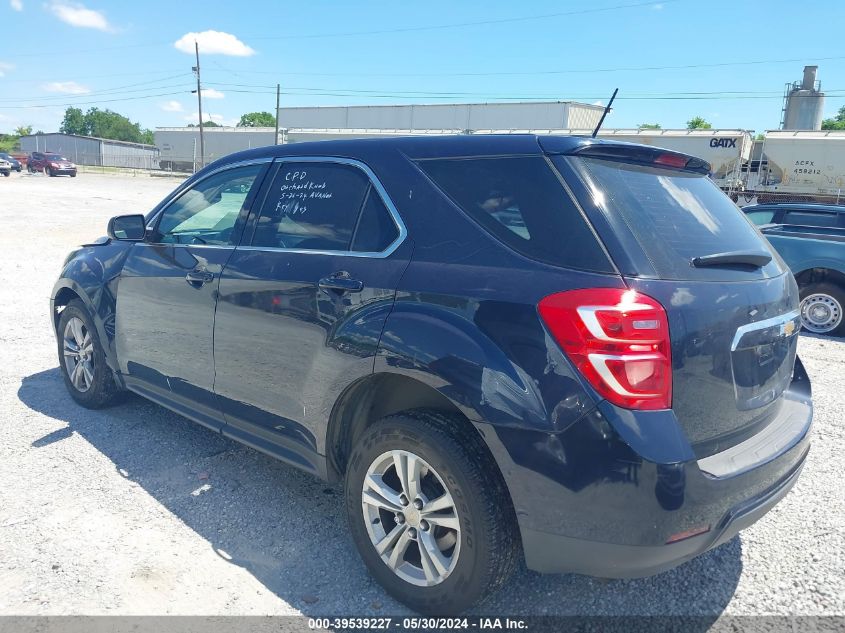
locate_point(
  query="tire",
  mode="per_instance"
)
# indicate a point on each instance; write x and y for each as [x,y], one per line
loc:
[829,315]
[475,559]
[73,174]
[7,173]
[93,386]
[49,172]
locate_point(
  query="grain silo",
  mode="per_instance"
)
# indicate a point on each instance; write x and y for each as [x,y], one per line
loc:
[803,103]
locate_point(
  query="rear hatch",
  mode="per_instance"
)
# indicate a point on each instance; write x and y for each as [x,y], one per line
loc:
[730,300]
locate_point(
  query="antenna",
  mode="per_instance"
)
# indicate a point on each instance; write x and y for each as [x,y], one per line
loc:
[604,114]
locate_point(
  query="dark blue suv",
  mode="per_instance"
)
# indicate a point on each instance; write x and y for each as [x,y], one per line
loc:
[573,351]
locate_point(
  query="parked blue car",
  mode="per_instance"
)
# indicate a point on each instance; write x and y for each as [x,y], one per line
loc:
[571,351]
[811,240]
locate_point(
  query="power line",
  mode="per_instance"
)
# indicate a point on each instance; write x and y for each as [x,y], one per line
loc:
[457,25]
[379,31]
[105,91]
[99,101]
[382,93]
[230,87]
[548,72]
[86,77]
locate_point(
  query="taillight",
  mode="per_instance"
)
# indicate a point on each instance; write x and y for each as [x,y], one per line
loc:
[618,339]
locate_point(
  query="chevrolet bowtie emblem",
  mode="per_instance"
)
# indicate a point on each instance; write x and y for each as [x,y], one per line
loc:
[788,328]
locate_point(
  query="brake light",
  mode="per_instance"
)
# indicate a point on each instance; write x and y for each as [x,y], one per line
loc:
[671,160]
[619,341]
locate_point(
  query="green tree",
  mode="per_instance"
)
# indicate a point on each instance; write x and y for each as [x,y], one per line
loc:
[23,130]
[205,124]
[650,126]
[257,119]
[698,123]
[74,122]
[835,123]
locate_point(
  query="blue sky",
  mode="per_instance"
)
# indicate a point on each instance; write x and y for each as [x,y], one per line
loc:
[725,60]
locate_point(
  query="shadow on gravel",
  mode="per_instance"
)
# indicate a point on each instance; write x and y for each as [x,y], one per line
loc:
[288,529]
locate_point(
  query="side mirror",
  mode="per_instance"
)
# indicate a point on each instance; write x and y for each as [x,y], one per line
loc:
[128,228]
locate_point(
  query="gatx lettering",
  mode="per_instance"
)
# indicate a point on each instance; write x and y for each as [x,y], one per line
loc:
[722,142]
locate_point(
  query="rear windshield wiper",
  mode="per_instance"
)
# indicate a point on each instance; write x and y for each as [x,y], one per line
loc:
[758,259]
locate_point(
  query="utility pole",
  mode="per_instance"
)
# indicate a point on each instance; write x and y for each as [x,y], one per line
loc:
[277,115]
[196,69]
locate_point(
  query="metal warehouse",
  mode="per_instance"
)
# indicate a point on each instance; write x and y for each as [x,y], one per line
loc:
[90,150]
[458,116]
[180,146]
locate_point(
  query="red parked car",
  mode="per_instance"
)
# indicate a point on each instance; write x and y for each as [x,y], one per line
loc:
[51,164]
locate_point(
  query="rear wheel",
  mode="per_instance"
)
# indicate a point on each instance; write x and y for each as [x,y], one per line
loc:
[822,307]
[82,359]
[429,512]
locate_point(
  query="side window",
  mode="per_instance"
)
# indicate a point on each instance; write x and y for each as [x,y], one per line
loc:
[761,217]
[520,201]
[809,218]
[312,206]
[207,213]
[376,229]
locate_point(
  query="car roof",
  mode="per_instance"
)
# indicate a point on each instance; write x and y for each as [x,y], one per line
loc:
[429,146]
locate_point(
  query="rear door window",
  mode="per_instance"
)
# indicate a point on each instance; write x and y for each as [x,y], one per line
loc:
[673,216]
[521,202]
[312,206]
[376,229]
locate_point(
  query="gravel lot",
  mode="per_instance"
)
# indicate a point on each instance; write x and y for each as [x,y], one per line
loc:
[135,510]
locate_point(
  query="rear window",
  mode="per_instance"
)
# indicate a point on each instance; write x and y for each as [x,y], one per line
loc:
[674,216]
[522,203]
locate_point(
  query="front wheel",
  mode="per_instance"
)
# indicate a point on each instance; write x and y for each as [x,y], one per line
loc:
[822,307]
[82,359]
[429,512]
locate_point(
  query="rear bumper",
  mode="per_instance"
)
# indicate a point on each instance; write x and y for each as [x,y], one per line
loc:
[554,553]
[589,502]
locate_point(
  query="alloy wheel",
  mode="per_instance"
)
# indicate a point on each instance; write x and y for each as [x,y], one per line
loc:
[78,350]
[411,518]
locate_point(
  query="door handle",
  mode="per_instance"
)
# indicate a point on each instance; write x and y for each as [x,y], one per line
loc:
[197,278]
[341,282]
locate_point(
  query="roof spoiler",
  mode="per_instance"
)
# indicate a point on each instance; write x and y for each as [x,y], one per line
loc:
[642,155]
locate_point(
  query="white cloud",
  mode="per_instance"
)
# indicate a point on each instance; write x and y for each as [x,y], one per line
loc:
[657,7]
[172,106]
[78,15]
[4,66]
[17,5]
[211,93]
[213,43]
[65,87]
